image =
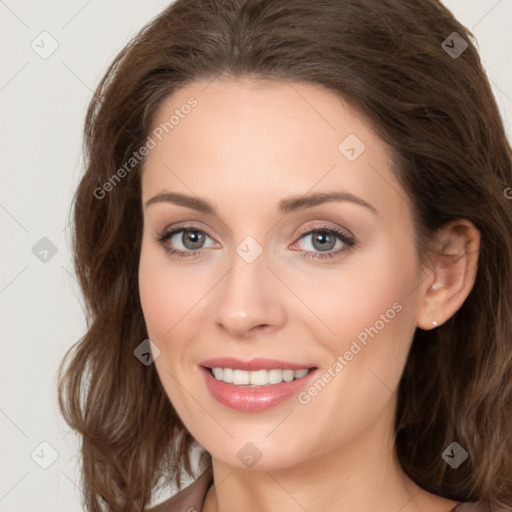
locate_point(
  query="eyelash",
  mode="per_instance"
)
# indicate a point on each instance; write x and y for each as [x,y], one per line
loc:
[347,240]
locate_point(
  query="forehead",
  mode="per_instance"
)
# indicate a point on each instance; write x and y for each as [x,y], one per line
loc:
[265,139]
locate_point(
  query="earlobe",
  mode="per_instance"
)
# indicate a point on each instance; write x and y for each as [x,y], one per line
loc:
[452,273]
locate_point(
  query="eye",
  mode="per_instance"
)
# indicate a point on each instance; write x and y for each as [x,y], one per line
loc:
[191,239]
[324,239]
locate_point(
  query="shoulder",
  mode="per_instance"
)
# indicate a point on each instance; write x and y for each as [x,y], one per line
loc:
[189,499]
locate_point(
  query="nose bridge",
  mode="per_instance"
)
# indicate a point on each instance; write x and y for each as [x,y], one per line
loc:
[248,296]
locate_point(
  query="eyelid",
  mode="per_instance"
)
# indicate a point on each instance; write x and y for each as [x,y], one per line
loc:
[311,226]
[187,225]
[323,225]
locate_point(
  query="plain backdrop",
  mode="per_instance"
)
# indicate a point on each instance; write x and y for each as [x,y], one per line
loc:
[43,101]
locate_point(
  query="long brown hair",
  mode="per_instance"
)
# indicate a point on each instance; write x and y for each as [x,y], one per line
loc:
[394,61]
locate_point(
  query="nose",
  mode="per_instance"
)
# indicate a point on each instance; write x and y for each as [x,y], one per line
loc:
[248,299]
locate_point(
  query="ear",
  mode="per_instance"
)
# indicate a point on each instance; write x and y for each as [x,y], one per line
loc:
[452,273]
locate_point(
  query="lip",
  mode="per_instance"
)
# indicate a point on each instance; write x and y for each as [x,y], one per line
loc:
[253,364]
[255,399]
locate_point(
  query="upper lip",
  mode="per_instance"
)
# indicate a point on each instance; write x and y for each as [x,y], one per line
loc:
[253,364]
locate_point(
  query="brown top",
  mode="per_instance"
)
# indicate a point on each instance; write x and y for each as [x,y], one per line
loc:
[192,497]
[189,499]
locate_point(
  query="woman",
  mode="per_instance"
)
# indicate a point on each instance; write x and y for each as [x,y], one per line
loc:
[293,237]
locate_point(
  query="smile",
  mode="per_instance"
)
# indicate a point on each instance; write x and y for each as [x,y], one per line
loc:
[256,385]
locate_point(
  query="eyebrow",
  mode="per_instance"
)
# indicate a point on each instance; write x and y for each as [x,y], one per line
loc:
[285,206]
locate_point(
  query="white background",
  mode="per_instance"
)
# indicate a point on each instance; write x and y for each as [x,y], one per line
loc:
[42,108]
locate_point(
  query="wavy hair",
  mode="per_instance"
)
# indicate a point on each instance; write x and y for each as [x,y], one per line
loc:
[435,110]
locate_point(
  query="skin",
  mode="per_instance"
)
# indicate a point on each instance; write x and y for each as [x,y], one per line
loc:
[244,147]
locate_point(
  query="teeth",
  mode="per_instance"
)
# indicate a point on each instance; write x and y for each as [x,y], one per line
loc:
[258,377]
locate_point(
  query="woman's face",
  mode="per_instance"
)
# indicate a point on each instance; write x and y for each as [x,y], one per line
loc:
[264,275]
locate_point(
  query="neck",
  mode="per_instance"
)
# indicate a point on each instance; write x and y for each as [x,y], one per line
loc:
[358,476]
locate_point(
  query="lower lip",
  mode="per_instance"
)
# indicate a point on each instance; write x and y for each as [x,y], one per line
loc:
[254,399]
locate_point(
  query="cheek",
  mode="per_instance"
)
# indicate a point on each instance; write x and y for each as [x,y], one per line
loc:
[155,296]
[167,293]
[167,297]
[369,309]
